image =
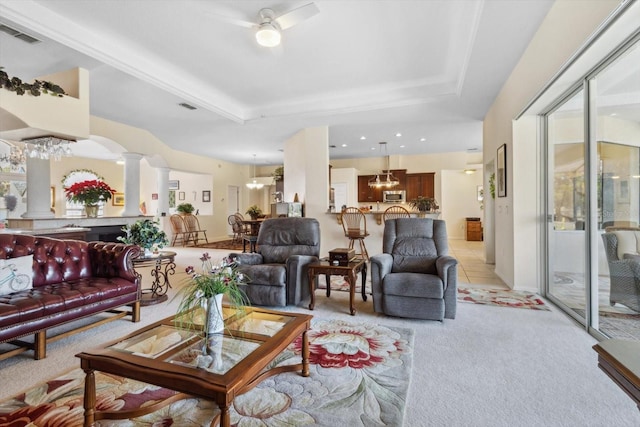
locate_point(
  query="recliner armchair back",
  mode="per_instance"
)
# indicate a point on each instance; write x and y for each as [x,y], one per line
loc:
[415,245]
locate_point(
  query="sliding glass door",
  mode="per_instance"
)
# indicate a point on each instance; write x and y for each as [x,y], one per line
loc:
[593,193]
[566,206]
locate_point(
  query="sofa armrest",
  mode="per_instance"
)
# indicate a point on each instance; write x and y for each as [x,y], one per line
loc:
[247,258]
[446,267]
[297,277]
[113,260]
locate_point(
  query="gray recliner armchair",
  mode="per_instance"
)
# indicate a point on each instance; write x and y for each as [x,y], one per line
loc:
[278,270]
[414,276]
[623,255]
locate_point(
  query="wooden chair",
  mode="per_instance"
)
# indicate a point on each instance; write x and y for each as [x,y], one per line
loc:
[236,227]
[193,228]
[394,212]
[354,224]
[179,230]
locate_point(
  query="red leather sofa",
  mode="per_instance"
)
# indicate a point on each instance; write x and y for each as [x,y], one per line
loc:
[72,279]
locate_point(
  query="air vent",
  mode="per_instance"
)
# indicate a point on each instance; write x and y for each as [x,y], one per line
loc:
[17,34]
[187,106]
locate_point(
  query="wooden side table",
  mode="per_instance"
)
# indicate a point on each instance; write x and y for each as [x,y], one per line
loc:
[349,272]
[158,291]
[619,360]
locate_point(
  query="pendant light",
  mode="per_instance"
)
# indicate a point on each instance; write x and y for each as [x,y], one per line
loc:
[389,180]
[254,184]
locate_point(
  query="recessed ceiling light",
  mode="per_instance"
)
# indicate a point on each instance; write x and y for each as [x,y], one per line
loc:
[344,145]
[402,146]
[398,134]
[373,148]
[362,138]
[423,139]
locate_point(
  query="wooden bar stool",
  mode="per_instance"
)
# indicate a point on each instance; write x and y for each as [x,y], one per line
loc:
[354,224]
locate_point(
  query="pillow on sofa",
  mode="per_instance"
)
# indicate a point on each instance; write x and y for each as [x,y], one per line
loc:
[16,274]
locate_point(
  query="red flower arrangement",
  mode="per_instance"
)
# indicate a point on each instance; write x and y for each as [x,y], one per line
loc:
[89,192]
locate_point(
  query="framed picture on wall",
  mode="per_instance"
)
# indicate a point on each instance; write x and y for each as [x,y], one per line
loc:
[501,173]
[206,196]
[181,195]
[174,184]
[117,199]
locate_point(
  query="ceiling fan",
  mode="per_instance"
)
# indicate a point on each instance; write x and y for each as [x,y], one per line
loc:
[268,26]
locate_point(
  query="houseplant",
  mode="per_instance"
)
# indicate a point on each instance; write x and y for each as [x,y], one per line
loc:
[207,289]
[254,212]
[185,208]
[423,204]
[89,193]
[146,234]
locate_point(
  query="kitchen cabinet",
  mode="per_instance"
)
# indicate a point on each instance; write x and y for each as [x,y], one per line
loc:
[368,194]
[419,184]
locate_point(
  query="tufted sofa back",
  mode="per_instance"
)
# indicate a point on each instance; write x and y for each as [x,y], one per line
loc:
[56,261]
[415,243]
[279,238]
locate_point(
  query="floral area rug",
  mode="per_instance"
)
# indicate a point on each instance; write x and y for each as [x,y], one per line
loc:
[359,377]
[502,298]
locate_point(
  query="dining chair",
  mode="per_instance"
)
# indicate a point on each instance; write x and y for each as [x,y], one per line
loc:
[394,212]
[179,230]
[354,224]
[193,227]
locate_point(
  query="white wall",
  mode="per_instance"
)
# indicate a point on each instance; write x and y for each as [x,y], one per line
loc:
[566,27]
[459,200]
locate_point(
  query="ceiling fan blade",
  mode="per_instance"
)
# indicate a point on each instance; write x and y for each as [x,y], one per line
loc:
[297,15]
[232,20]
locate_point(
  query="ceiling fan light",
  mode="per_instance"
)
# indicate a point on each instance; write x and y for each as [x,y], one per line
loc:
[268,35]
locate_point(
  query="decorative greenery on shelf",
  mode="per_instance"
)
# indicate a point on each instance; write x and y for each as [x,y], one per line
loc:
[423,204]
[144,233]
[15,84]
[492,185]
[185,208]
[254,211]
[278,173]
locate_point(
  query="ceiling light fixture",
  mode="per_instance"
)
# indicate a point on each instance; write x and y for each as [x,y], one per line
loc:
[254,184]
[390,180]
[47,147]
[469,171]
[268,33]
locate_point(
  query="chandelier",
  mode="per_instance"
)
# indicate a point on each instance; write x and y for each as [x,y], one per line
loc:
[254,184]
[47,147]
[388,180]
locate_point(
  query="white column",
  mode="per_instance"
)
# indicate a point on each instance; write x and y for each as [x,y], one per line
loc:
[163,191]
[131,184]
[38,189]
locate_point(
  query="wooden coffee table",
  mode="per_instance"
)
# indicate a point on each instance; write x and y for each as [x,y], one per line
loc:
[350,272]
[231,364]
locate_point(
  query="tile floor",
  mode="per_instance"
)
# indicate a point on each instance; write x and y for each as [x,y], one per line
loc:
[472,269]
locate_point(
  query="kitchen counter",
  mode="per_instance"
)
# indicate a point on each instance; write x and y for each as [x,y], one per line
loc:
[377,215]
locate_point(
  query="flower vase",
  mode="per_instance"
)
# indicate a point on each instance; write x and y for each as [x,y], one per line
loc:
[214,322]
[148,252]
[91,211]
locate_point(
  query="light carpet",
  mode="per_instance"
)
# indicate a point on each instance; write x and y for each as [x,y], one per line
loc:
[359,377]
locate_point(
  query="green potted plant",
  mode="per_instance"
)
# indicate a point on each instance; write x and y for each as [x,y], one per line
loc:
[254,212]
[206,290]
[185,208]
[146,234]
[278,173]
[423,204]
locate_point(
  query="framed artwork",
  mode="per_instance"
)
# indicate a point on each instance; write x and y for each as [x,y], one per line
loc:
[480,193]
[181,195]
[174,184]
[206,196]
[172,199]
[501,174]
[117,199]
[154,196]
[53,196]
